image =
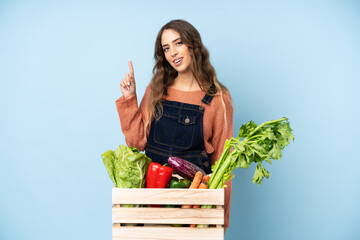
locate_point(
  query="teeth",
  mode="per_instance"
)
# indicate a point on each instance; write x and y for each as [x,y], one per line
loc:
[176,61]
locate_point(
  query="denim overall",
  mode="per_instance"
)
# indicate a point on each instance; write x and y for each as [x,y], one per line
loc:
[179,133]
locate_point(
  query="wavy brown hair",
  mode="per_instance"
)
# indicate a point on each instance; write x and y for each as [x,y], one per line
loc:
[164,74]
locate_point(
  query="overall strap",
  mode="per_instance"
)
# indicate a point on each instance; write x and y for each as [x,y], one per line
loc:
[209,95]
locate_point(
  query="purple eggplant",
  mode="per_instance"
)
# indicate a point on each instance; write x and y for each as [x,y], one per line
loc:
[184,168]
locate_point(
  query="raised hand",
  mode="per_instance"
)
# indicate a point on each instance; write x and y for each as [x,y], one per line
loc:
[127,85]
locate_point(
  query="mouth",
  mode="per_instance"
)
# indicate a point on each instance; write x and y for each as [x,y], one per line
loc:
[178,61]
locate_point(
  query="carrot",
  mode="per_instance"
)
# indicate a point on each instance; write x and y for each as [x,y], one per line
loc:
[205,179]
[194,184]
[197,180]
[202,186]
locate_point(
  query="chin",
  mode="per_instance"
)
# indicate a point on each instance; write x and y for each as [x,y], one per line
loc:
[183,69]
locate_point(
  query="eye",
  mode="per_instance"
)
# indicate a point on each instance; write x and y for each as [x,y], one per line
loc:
[165,49]
[179,43]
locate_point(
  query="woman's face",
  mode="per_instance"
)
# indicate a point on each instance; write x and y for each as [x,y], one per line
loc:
[176,53]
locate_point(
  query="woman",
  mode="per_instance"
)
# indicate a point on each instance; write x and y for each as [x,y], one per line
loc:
[185,112]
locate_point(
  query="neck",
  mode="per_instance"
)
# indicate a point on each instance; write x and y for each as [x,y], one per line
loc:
[186,81]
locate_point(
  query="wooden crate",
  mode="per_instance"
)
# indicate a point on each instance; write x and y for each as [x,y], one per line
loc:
[155,223]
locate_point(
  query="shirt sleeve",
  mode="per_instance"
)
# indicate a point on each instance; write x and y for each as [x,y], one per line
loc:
[133,120]
[222,130]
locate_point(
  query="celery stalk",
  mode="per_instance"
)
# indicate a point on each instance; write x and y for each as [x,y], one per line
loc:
[253,144]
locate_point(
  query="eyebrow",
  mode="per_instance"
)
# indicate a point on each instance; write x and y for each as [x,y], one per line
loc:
[172,41]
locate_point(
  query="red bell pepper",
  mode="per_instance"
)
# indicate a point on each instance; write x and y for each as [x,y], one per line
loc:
[158,176]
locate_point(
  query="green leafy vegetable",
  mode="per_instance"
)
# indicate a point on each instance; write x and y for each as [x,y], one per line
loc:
[253,144]
[126,166]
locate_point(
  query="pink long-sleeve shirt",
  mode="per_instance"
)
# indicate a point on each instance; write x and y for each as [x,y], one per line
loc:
[217,124]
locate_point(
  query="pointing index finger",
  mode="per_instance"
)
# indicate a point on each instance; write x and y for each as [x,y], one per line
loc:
[131,68]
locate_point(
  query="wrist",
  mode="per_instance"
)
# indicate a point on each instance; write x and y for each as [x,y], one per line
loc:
[128,96]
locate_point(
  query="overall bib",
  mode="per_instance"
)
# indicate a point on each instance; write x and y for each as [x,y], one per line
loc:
[179,133]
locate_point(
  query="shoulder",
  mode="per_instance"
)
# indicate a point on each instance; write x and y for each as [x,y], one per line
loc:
[148,88]
[223,99]
[227,96]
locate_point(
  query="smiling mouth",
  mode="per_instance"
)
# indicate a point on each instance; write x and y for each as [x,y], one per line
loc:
[177,62]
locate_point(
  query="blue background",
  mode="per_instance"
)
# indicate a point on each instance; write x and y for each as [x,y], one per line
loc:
[60,68]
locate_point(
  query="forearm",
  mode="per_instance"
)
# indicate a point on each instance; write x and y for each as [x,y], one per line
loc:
[132,122]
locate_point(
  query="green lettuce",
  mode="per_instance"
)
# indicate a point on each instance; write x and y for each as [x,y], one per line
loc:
[127,167]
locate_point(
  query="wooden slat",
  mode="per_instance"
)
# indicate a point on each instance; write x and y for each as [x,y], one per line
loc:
[220,207]
[167,196]
[168,233]
[168,215]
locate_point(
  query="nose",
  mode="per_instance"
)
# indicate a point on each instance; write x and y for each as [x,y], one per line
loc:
[173,51]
